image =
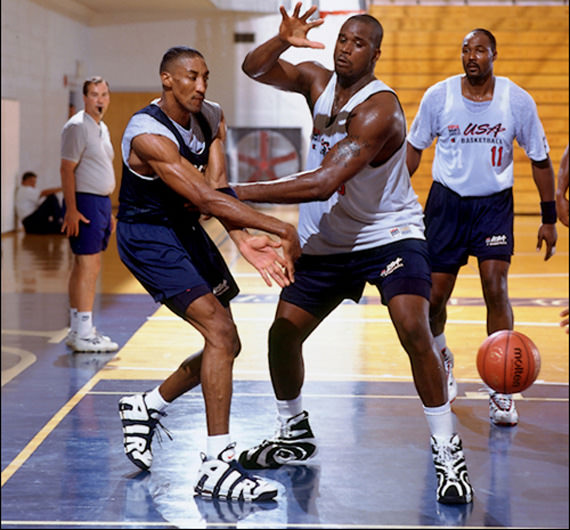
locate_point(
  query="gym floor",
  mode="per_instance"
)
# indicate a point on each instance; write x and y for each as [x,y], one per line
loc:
[63,464]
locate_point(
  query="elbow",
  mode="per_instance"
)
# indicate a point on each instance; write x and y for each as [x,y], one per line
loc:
[247,69]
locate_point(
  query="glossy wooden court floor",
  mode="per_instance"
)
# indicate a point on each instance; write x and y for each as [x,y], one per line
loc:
[62,457]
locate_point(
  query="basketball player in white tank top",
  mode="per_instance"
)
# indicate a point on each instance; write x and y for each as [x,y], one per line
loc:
[476,118]
[360,221]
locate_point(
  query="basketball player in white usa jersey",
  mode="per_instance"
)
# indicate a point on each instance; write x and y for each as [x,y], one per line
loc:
[469,211]
[360,221]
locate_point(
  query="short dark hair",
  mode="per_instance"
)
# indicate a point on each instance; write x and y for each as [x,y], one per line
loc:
[94,80]
[174,53]
[490,36]
[28,175]
[374,23]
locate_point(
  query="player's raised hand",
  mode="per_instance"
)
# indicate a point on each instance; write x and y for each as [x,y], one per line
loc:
[294,28]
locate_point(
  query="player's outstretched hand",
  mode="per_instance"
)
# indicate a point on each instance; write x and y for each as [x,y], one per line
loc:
[260,251]
[294,28]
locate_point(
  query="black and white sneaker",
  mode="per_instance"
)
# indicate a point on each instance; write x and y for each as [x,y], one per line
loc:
[224,478]
[292,442]
[453,486]
[139,425]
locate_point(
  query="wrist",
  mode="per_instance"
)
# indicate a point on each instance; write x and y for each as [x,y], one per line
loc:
[548,212]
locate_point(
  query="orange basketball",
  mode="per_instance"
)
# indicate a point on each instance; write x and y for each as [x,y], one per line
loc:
[508,361]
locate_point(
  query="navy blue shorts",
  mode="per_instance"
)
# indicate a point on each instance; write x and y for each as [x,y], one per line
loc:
[175,266]
[93,236]
[458,227]
[323,282]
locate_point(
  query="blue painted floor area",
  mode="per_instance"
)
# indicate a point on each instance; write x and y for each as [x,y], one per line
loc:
[33,397]
[63,464]
[374,466]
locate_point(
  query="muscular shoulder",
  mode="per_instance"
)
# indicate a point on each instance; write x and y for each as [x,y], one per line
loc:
[313,79]
[381,113]
[378,121]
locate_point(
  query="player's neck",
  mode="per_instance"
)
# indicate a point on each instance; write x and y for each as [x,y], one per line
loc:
[175,112]
[346,88]
[478,89]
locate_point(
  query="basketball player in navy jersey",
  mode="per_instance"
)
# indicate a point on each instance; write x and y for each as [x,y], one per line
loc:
[359,221]
[469,211]
[174,170]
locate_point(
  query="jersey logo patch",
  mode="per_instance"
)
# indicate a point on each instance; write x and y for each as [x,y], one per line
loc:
[398,263]
[221,288]
[496,241]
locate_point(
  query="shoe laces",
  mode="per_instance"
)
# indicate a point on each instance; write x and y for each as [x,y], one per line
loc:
[154,421]
[447,456]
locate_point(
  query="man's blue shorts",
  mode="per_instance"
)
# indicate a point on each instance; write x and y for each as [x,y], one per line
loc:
[93,236]
[323,282]
[458,227]
[175,266]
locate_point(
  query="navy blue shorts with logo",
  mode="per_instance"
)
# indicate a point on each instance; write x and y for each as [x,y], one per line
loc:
[323,282]
[93,236]
[175,266]
[458,227]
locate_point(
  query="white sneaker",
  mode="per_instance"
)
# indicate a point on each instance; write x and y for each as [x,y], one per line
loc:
[70,338]
[293,442]
[448,363]
[502,410]
[225,478]
[95,343]
[139,426]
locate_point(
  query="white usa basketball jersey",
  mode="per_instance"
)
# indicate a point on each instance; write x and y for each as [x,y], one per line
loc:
[375,207]
[474,150]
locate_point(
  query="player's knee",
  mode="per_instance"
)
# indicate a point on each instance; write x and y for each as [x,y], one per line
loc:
[227,337]
[282,335]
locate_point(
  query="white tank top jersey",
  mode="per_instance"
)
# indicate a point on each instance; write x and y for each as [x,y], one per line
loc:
[375,207]
[475,141]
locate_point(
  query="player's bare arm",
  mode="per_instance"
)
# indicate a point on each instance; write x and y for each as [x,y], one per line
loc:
[413,158]
[264,64]
[161,156]
[543,175]
[375,129]
[216,174]
[72,218]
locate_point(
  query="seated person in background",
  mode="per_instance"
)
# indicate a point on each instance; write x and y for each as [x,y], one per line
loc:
[38,210]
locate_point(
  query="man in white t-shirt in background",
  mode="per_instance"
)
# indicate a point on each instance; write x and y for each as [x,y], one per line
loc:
[39,211]
[88,179]
[469,211]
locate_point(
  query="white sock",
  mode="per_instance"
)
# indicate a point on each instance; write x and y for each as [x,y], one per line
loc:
[289,408]
[216,444]
[73,320]
[440,342]
[440,421]
[84,324]
[155,401]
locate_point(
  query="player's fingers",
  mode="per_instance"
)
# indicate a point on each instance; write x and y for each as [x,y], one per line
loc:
[279,277]
[308,13]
